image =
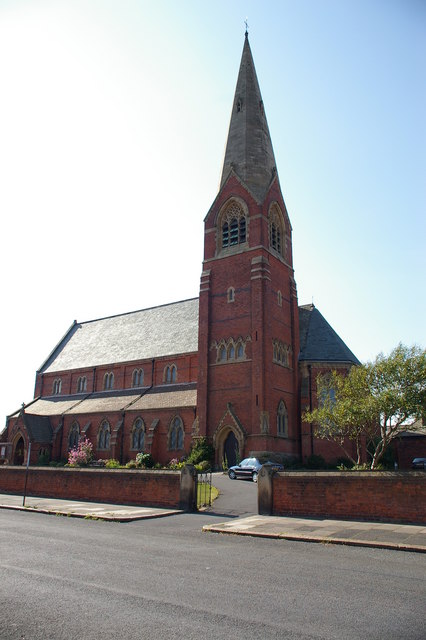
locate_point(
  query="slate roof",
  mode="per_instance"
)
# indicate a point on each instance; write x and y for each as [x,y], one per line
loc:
[169,330]
[166,330]
[318,341]
[249,151]
[105,402]
[39,428]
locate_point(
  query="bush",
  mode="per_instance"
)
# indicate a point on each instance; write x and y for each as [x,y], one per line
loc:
[204,465]
[344,464]
[144,460]
[175,464]
[112,464]
[315,461]
[43,458]
[201,450]
[57,463]
[131,464]
[81,455]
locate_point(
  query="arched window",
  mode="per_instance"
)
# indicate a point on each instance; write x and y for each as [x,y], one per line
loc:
[176,434]
[234,225]
[137,380]
[81,384]
[73,436]
[280,299]
[231,352]
[276,230]
[170,373]
[231,294]
[240,351]
[104,435]
[222,353]
[138,435]
[282,420]
[109,380]
[57,386]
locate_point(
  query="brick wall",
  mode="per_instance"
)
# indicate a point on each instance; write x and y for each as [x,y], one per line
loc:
[380,496]
[137,487]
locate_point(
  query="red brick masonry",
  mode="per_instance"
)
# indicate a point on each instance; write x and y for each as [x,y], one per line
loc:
[135,487]
[380,496]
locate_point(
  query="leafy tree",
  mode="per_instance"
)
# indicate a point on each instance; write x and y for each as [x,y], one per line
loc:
[373,402]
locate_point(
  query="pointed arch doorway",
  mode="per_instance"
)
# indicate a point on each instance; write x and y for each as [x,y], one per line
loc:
[230,449]
[18,456]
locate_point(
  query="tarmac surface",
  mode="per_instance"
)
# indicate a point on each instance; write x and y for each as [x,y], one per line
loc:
[402,537]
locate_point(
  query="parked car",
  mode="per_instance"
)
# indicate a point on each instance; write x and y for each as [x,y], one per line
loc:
[250,467]
[419,463]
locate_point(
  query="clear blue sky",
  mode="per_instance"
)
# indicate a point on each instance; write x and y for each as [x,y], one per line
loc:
[113,121]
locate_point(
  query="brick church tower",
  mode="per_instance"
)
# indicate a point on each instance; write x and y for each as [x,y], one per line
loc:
[248,313]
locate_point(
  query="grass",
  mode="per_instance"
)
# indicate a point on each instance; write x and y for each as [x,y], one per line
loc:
[204,492]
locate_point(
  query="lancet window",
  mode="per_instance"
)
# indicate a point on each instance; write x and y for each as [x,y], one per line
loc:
[176,434]
[138,435]
[104,435]
[276,230]
[282,420]
[57,386]
[109,381]
[281,353]
[81,384]
[137,379]
[73,436]
[230,350]
[233,225]
[170,373]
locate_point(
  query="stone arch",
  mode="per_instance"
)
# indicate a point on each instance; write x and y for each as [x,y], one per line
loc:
[18,449]
[228,424]
[232,224]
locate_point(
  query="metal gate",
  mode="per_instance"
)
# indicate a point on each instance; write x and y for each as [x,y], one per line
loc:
[204,489]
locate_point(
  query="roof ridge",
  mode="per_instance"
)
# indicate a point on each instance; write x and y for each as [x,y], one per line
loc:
[129,313]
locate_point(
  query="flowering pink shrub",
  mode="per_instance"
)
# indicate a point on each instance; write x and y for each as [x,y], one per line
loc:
[81,455]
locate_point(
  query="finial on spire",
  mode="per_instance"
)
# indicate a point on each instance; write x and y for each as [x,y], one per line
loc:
[246,23]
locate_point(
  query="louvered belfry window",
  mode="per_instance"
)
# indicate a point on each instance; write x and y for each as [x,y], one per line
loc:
[234,226]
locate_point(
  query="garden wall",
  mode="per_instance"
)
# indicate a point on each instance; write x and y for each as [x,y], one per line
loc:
[374,496]
[168,489]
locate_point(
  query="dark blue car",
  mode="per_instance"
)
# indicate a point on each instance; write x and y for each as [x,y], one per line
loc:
[250,467]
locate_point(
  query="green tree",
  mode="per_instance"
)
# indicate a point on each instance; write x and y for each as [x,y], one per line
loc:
[375,401]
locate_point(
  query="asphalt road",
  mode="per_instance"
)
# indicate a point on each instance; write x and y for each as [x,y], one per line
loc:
[66,578]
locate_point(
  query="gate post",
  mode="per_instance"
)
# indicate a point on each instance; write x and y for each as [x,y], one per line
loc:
[264,491]
[188,488]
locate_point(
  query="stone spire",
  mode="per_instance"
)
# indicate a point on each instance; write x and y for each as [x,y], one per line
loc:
[249,150]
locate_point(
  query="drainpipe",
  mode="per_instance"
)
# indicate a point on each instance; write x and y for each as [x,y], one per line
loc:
[310,408]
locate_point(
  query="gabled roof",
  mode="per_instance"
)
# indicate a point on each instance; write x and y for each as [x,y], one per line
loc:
[166,330]
[249,151]
[318,341]
[38,427]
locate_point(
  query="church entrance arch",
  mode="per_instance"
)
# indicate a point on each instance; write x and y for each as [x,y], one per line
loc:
[18,456]
[228,441]
[230,449]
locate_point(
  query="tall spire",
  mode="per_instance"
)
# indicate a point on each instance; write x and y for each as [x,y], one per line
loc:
[249,148]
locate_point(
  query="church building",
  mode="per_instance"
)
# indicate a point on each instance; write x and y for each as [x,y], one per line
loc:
[238,364]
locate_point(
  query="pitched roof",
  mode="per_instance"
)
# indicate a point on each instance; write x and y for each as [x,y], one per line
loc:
[166,330]
[39,428]
[318,341]
[110,402]
[249,151]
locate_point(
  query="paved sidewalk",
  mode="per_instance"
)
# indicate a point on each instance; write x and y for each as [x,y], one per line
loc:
[402,537]
[81,509]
